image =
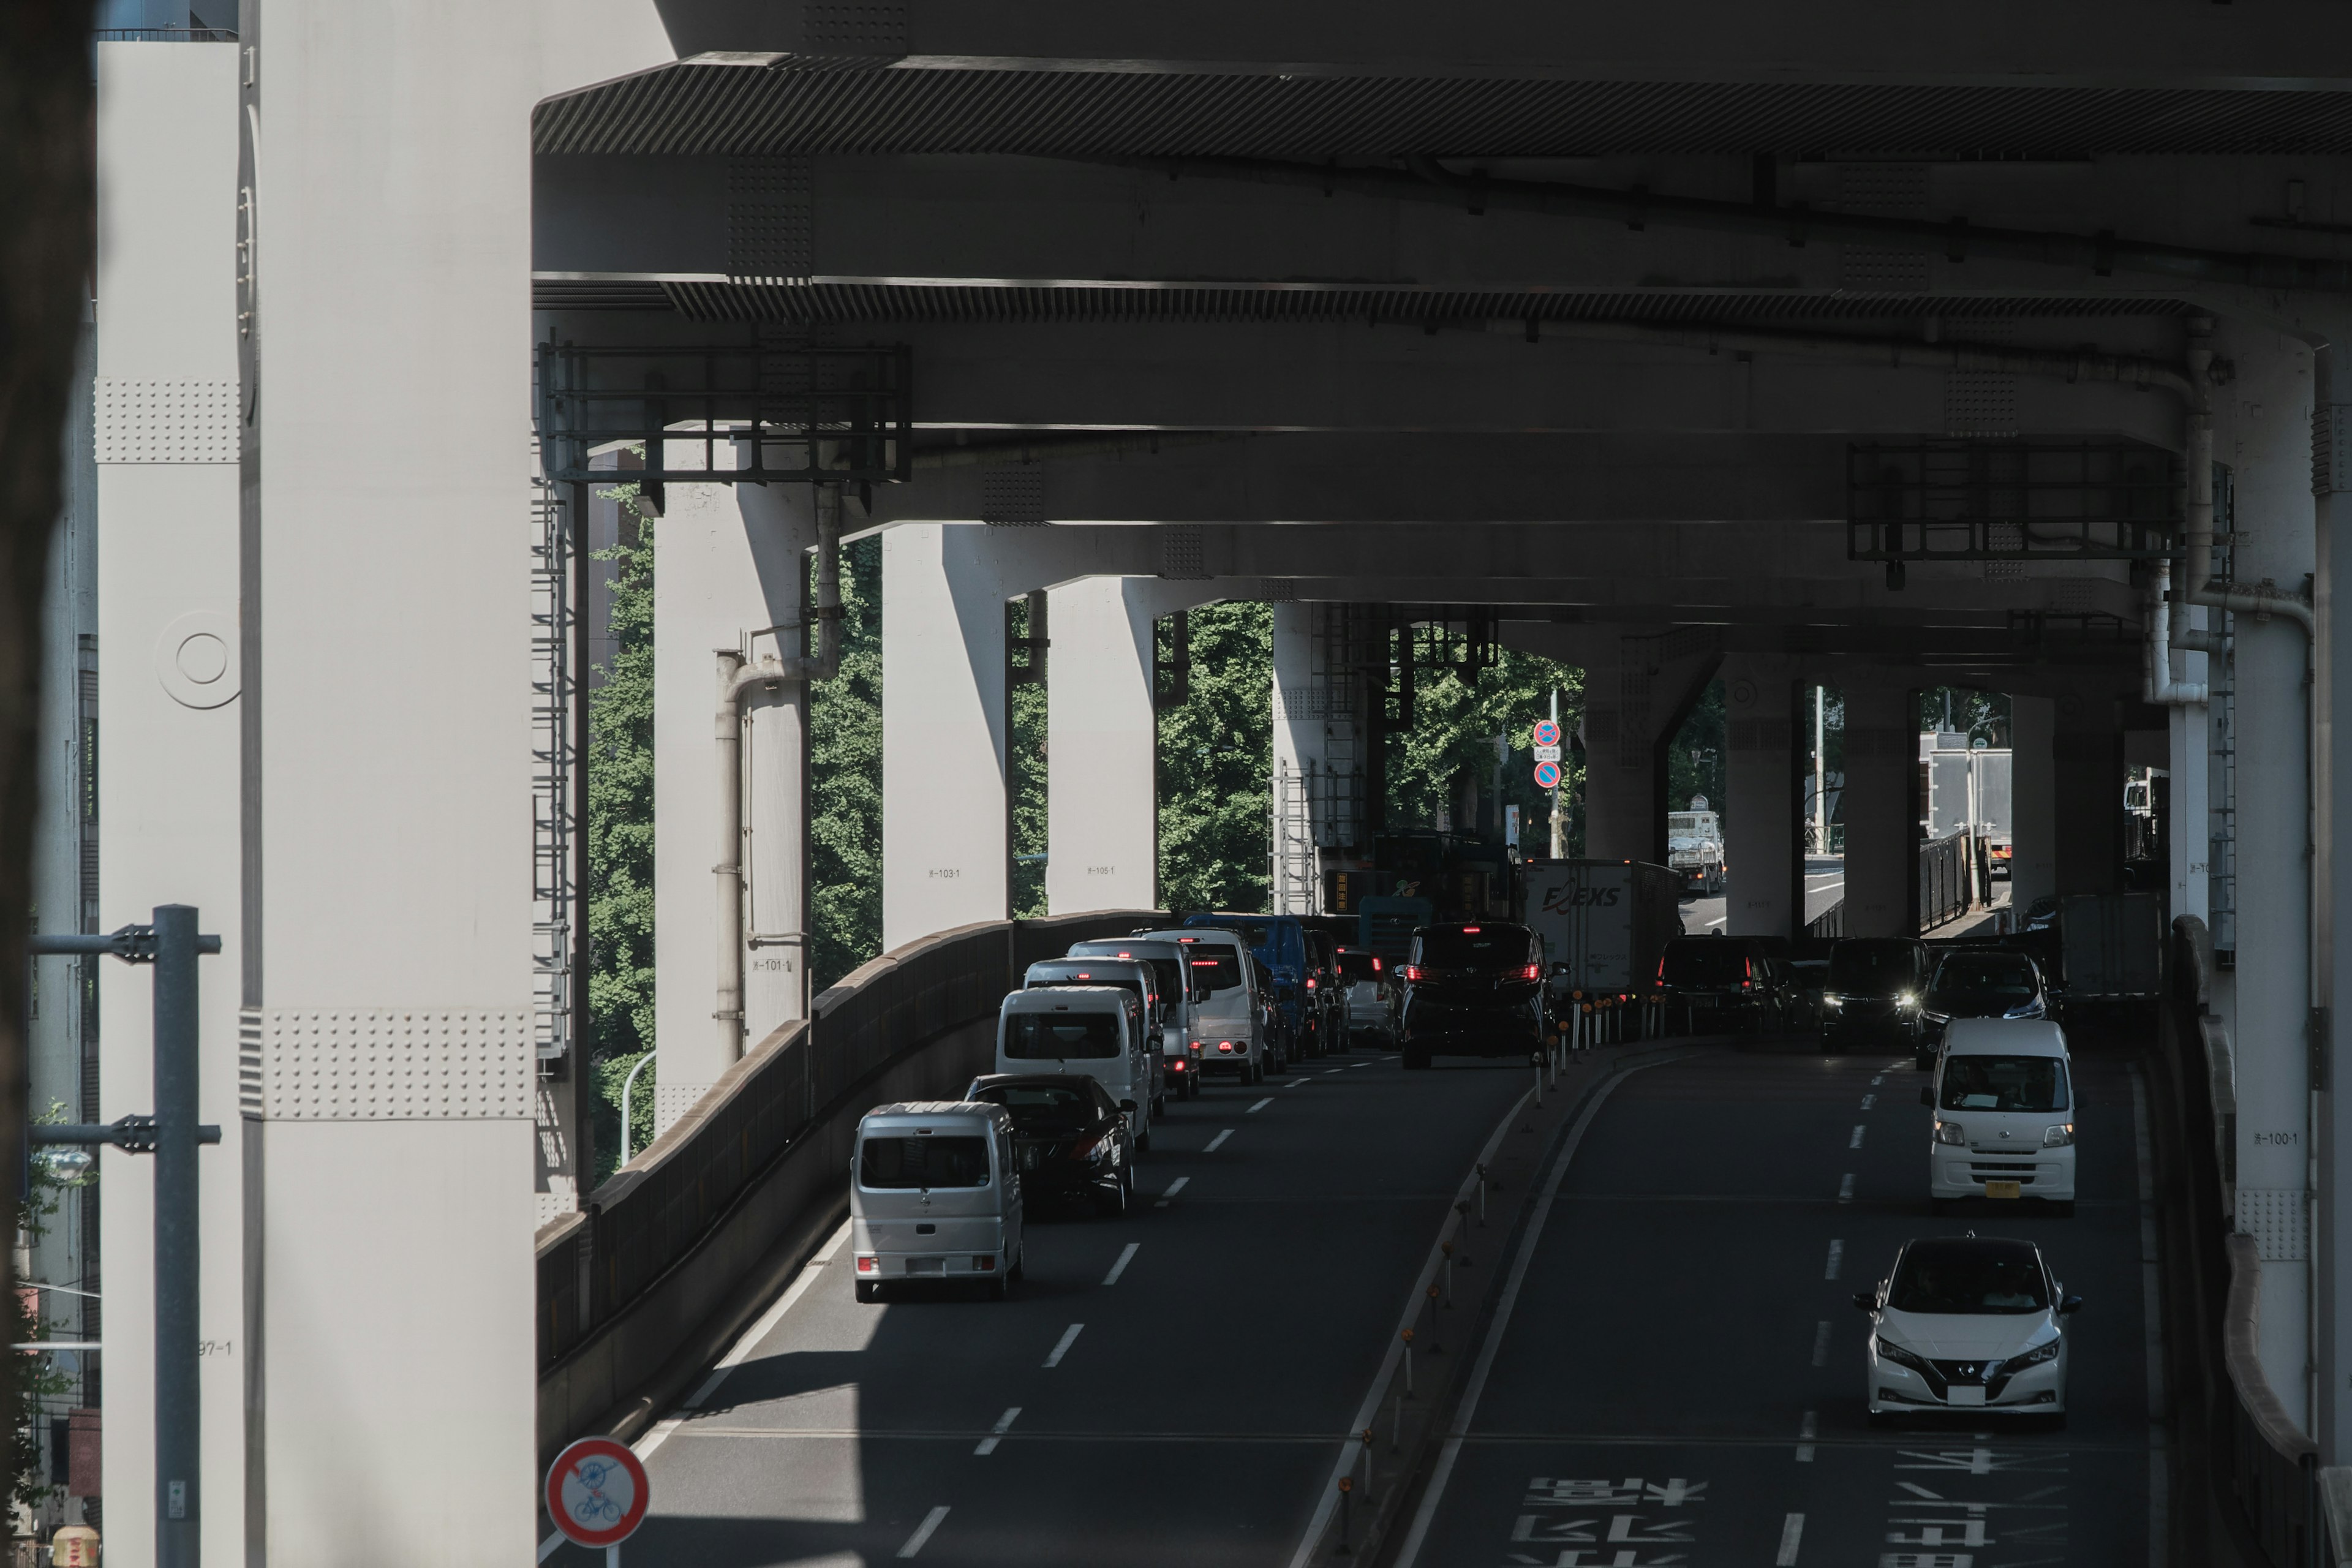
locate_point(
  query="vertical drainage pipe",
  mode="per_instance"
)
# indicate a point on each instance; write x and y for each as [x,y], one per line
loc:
[736,677]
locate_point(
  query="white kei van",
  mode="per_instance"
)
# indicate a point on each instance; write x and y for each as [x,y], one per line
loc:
[934,1195]
[1228,1018]
[1181,996]
[1098,1030]
[2005,1104]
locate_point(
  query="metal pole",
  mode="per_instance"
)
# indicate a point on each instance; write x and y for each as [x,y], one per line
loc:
[1821,801]
[178,1407]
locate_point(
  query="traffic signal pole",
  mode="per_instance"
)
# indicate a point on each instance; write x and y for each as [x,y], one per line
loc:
[173,945]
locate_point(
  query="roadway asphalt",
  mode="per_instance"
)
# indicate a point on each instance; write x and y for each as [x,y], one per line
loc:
[1825,888]
[1680,1378]
[1193,1419]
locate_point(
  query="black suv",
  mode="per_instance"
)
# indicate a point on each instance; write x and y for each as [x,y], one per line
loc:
[1876,993]
[1473,989]
[1980,983]
[1736,979]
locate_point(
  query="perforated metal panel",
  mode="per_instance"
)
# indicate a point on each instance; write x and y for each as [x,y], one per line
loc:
[770,220]
[1980,403]
[1014,496]
[2279,1219]
[1180,554]
[166,421]
[387,1064]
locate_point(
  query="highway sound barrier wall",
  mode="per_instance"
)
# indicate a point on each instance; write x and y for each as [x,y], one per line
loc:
[671,1257]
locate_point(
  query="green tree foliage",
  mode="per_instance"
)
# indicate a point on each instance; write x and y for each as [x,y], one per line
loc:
[620,892]
[1982,716]
[39,1388]
[1455,726]
[846,781]
[1026,768]
[1215,756]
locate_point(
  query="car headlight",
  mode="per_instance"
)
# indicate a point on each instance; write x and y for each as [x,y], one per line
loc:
[1889,1351]
[1831,1000]
[2058,1137]
[2033,1009]
[1906,999]
[1950,1132]
[2035,1355]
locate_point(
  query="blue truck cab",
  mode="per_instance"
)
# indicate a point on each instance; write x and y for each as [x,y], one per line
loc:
[1280,944]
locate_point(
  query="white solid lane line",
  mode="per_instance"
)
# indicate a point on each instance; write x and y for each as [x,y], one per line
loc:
[809,1274]
[1822,1342]
[923,1530]
[1127,1255]
[997,1432]
[1837,1257]
[1792,1531]
[1845,1188]
[1062,1346]
[1219,1139]
[1261,1105]
[1807,1430]
[1854,1141]
[547,1547]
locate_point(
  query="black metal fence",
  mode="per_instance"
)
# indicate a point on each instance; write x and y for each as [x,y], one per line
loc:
[677,1207]
[1945,889]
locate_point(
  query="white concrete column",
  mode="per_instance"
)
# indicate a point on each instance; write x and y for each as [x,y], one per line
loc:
[727,568]
[944,852]
[1881,829]
[1301,700]
[170,709]
[1760,843]
[2332,496]
[1102,805]
[2032,799]
[2262,430]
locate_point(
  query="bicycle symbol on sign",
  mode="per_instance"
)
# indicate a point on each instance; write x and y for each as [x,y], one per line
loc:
[594,1509]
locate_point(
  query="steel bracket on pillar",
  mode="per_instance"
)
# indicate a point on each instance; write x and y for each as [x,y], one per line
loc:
[800,414]
[2033,499]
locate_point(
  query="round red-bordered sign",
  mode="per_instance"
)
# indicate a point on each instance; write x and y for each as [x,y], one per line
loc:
[1547,732]
[597,1492]
[1546,775]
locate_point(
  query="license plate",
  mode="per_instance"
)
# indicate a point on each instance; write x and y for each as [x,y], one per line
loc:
[1966,1394]
[2004,1190]
[926,1266]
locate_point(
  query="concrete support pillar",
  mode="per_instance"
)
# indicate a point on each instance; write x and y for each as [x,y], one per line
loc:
[2332,487]
[727,567]
[2087,793]
[1762,835]
[2033,799]
[1636,690]
[1319,782]
[1102,801]
[1881,828]
[2261,430]
[171,707]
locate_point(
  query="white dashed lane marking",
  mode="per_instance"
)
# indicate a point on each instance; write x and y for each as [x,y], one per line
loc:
[1261,1105]
[1807,1430]
[1217,1140]
[1837,1257]
[1822,1342]
[1069,1336]
[1854,1141]
[1126,1256]
[1173,1188]
[1868,1101]
[931,1521]
[1845,1188]
[1004,1424]
[1792,1531]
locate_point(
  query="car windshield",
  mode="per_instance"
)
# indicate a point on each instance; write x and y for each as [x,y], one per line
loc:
[1214,968]
[1255,935]
[2006,977]
[1043,1104]
[1955,1277]
[1710,963]
[1873,966]
[1166,971]
[1473,947]
[922,1161]
[1061,1036]
[2004,1083]
[1078,972]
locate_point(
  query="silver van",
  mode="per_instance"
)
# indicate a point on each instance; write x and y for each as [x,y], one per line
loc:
[1098,1030]
[934,1195]
[1180,995]
[1127,975]
[2004,1101]
[1231,1019]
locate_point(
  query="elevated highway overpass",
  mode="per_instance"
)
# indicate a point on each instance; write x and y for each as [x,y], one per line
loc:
[1650,340]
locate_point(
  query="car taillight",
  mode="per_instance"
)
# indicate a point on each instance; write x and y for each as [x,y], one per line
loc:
[1310,983]
[1532,971]
[1471,931]
[1748,983]
[1224,1044]
[1178,1066]
[986,1265]
[868,1264]
[1662,971]
[1410,972]
[1376,967]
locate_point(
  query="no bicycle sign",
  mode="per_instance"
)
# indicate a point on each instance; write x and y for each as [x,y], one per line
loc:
[597,1492]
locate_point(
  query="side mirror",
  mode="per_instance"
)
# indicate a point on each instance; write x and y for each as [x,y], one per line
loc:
[1127,1105]
[1866,1300]
[2071,1304]
[1927,1098]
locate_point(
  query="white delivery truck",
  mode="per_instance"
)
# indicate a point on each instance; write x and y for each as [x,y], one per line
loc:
[1603,922]
[1695,847]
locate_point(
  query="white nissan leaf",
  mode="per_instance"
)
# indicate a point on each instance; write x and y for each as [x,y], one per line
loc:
[1968,1323]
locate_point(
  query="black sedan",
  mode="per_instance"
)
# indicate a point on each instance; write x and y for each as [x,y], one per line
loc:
[1070,1139]
[1473,989]
[1980,983]
[1876,988]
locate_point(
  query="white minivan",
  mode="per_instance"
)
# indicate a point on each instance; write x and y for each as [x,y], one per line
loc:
[1098,1030]
[934,1195]
[1181,996]
[2004,1100]
[1231,1039]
